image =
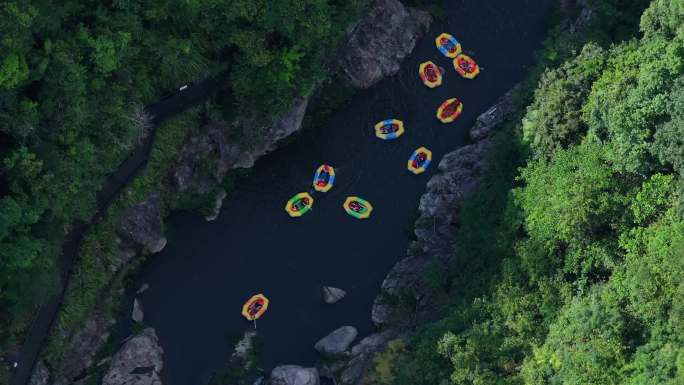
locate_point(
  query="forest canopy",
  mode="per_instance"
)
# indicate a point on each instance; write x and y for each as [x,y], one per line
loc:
[577,275]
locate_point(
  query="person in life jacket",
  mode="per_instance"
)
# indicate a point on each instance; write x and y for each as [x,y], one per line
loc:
[432,73]
[300,204]
[255,307]
[323,178]
[448,44]
[420,160]
[451,108]
[466,65]
[388,128]
[356,206]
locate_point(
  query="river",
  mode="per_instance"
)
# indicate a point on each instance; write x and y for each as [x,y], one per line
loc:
[199,282]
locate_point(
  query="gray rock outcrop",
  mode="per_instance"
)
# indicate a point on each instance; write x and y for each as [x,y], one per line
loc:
[584,18]
[143,288]
[137,314]
[204,159]
[332,294]
[40,375]
[294,375]
[140,227]
[82,346]
[138,361]
[496,114]
[208,155]
[377,44]
[245,345]
[336,342]
[362,354]
[218,203]
[404,279]
[458,179]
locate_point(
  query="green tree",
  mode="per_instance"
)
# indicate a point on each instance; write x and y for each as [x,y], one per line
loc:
[571,198]
[584,345]
[553,121]
[630,99]
[668,143]
[655,196]
[663,17]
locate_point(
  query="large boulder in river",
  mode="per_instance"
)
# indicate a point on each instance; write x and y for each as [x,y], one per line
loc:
[378,43]
[141,226]
[332,294]
[138,362]
[336,342]
[293,375]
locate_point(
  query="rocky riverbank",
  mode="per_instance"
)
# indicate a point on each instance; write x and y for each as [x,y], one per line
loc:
[202,163]
[435,230]
[459,176]
[405,299]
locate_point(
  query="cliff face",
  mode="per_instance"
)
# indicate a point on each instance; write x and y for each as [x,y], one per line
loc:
[459,176]
[208,155]
[378,43]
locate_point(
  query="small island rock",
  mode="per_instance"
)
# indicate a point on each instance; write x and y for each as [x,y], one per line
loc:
[332,294]
[138,315]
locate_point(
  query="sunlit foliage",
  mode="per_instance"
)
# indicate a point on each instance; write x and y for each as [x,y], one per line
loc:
[589,289]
